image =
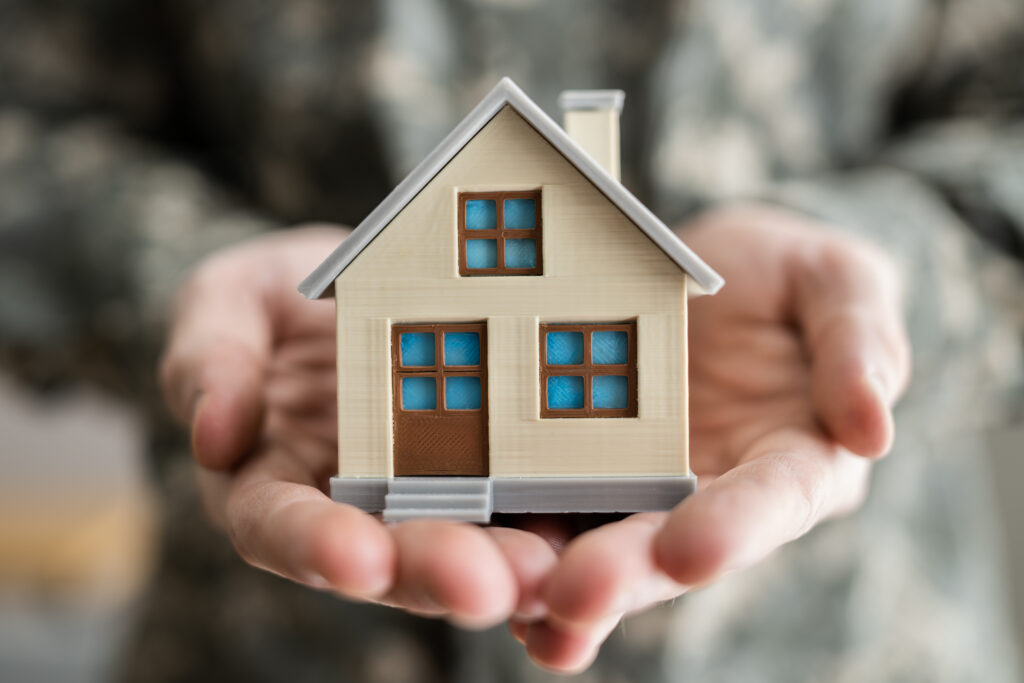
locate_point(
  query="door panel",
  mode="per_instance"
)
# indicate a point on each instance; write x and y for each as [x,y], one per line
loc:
[440,399]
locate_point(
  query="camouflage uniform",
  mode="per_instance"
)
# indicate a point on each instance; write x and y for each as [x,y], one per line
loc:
[134,137]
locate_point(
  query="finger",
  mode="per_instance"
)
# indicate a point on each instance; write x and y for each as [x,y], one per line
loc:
[452,569]
[294,530]
[228,317]
[227,414]
[848,301]
[213,369]
[556,530]
[609,571]
[790,483]
[519,629]
[565,648]
[851,393]
[303,385]
[531,559]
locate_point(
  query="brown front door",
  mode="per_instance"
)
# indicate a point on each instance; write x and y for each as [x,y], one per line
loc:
[440,389]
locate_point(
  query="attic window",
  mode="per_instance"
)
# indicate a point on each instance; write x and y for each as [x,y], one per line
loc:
[588,370]
[500,233]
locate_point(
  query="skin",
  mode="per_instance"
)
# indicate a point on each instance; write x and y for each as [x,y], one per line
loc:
[795,366]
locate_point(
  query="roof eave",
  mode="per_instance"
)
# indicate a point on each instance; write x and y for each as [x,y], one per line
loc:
[317,283]
[320,283]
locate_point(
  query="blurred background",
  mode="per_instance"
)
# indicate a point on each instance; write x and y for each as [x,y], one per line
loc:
[76,531]
[137,137]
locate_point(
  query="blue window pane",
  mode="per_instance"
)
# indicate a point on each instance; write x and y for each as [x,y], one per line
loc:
[419,393]
[481,253]
[481,214]
[611,391]
[417,349]
[520,253]
[610,347]
[565,348]
[520,214]
[461,348]
[565,392]
[462,393]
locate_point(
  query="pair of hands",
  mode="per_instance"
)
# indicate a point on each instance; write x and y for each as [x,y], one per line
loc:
[795,366]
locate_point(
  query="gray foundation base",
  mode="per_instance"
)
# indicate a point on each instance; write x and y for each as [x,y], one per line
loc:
[367,494]
[473,499]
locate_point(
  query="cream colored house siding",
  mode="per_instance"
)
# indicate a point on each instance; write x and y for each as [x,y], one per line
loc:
[597,267]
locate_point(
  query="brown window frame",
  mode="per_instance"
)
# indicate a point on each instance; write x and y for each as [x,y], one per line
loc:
[499,233]
[439,370]
[588,370]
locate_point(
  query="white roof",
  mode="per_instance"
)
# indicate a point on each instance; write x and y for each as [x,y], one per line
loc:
[320,282]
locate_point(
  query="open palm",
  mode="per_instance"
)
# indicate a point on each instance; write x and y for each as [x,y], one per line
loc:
[251,370]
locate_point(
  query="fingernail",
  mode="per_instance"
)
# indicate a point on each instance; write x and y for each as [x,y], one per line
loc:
[878,386]
[378,586]
[194,427]
[534,610]
[193,406]
[518,630]
[424,598]
[314,580]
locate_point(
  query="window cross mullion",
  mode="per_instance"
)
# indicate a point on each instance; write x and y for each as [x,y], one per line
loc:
[615,404]
[526,257]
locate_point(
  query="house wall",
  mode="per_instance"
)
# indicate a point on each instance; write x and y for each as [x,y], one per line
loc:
[598,267]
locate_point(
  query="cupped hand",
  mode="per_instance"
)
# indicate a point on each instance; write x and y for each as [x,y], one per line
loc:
[794,367]
[250,368]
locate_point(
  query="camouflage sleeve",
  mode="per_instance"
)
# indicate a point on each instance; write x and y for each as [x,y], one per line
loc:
[96,228]
[97,218]
[750,95]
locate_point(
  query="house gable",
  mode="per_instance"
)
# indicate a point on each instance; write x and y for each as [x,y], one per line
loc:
[591,251]
[506,94]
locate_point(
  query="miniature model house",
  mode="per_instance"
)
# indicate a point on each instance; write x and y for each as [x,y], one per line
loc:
[512,327]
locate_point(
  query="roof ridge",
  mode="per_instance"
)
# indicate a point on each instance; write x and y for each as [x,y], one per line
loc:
[321,281]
